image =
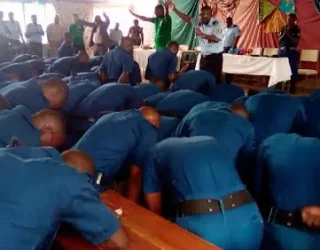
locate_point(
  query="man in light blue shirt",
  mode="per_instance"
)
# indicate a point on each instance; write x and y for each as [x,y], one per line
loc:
[34,35]
[209,31]
[231,35]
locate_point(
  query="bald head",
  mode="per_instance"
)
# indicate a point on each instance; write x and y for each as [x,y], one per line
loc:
[79,161]
[151,115]
[127,44]
[52,127]
[56,92]
[239,109]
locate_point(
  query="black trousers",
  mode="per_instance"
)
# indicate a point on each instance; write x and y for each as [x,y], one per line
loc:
[213,64]
[228,77]
[36,49]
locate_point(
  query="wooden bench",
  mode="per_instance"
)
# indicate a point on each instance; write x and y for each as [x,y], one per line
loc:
[146,230]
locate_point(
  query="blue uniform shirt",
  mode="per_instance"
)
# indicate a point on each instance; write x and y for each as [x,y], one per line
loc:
[288,172]
[30,221]
[226,93]
[28,94]
[230,34]
[116,62]
[47,76]
[167,128]
[77,92]
[18,123]
[160,64]
[275,113]
[24,70]
[22,58]
[65,50]
[230,130]
[153,100]
[33,152]
[95,61]
[109,97]
[118,138]
[196,80]
[146,90]
[68,65]
[135,77]
[181,102]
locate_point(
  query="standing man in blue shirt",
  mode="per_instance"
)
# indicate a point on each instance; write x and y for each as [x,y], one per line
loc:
[162,66]
[31,220]
[231,37]
[211,201]
[287,183]
[117,64]
[45,128]
[120,138]
[210,33]
[289,40]
[51,94]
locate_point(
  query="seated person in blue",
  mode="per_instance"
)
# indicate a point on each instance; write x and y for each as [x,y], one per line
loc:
[47,76]
[77,93]
[22,58]
[146,89]
[45,128]
[153,100]
[19,71]
[37,65]
[4,104]
[120,138]
[108,98]
[162,66]
[229,126]
[275,113]
[44,205]
[51,94]
[135,76]
[167,128]
[66,49]
[84,76]
[197,80]
[212,202]
[287,182]
[178,104]
[117,64]
[71,65]
[226,93]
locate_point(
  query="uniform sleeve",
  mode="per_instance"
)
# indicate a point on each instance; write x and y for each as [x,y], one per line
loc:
[259,171]
[173,65]
[151,181]
[103,66]
[300,119]
[153,20]
[127,64]
[146,142]
[90,216]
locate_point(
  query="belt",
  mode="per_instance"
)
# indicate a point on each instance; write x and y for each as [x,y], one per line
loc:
[209,206]
[288,48]
[204,56]
[285,218]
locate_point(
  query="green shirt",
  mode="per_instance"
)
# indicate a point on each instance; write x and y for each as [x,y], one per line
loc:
[76,31]
[163,31]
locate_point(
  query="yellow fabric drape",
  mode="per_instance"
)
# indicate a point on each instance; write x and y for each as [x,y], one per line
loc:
[275,22]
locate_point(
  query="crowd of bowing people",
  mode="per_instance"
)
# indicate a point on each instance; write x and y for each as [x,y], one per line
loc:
[240,171]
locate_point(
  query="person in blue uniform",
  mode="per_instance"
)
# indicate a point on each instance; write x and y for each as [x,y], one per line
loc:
[289,40]
[226,93]
[77,93]
[212,202]
[72,65]
[196,80]
[162,66]
[147,89]
[84,76]
[167,128]
[19,71]
[22,58]
[51,94]
[135,76]
[287,181]
[275,113]
[179,103]
[117,64]
[66,49]
[153,100]
[119,138]
[4,104]
[230,126]
[108,98]
[46,128]
[77,204]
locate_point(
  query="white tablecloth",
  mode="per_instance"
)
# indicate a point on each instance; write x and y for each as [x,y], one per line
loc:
[277,68]
[141,57]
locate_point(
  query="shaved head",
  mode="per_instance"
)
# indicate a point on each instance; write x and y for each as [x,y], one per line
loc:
[151,115]
[56,92]
[52,127]
[79,161]
[127,44]
[239,109]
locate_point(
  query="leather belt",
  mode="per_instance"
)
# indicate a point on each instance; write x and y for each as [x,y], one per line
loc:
[288,48]
[209,206]
[285,218]
[204,56]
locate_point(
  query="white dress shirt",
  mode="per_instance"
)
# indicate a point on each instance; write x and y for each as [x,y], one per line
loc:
[35,31]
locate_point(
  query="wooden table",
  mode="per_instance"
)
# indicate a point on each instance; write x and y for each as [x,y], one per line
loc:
[146,230]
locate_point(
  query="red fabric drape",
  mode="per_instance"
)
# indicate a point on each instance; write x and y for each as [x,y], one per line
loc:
[253,34]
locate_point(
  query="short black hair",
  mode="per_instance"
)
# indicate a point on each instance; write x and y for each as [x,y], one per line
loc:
[172,44]
[159,6]
[292,15]
[206,7]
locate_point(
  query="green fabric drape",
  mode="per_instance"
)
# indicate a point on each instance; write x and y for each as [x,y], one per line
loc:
[182,32]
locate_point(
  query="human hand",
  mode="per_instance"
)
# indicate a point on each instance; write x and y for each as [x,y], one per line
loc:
[311,216]
[131,10]
[184,68]
[199,32]
[169,4]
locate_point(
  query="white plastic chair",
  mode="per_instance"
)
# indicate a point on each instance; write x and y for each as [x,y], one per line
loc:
[271,52]
[309,56]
